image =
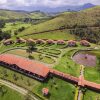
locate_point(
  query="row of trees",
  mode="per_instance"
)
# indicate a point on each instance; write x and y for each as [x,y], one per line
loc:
[2,23]
[92,35]
[4,35]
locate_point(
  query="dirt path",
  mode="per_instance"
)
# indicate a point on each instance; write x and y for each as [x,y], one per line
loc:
[16,88]
[82,74]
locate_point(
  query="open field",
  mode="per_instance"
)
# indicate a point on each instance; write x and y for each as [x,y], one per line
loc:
[93,73]
[64,34]
[67,20]
[56,86]
[10,14]
[15,26]
[67,65]
[90,95]
[10,94]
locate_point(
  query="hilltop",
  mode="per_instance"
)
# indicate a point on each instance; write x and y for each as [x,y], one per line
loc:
[16,14]
[70,20]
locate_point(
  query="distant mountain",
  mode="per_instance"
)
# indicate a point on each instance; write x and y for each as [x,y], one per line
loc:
[57,9]
[85,6]
[39,12]
[17,14]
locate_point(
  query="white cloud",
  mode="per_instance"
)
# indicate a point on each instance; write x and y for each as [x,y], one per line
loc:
[49,3]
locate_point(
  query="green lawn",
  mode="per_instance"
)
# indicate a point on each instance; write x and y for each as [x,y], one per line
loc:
[65,35]
[10,94]
[93,73]
[90,95]
[21,79]
[67,65]
[34,55]
[59,89]
[14,27]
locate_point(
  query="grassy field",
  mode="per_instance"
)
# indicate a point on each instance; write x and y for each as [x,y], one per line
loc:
[67,19]
[67,65]
[93,73]
[59,89]
[90,95]
[10,94]
[9,14]
[15,26]
[56,86]
[52,35]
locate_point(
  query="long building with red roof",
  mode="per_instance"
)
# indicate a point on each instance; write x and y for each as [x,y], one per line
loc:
[29,67]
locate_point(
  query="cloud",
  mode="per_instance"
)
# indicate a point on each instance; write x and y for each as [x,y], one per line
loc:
[49,3]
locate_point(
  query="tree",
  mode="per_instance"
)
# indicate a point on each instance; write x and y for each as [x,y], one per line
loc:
[21,29]
[15,77]
[4,35]
[31,47]
[2,23]
[3,90]
[15,33]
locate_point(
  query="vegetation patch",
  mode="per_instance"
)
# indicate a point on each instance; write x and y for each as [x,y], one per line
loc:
[9,94]
[90,95]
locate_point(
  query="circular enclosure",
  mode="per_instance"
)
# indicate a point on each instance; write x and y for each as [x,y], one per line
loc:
[85,58]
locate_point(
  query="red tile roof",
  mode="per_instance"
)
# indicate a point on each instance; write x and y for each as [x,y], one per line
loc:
[26,64]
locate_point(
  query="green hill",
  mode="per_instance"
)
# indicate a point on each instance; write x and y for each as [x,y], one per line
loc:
[38,15]
[10,14]
[86,18]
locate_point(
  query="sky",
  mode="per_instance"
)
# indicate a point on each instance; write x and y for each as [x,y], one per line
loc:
[14,4]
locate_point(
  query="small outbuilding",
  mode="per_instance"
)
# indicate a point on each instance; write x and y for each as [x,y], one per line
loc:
[72,43]
[50,41]
[20,40]
[8,42]
[60,42]
[31,40]
[40,41]
[84,43]
[45,91]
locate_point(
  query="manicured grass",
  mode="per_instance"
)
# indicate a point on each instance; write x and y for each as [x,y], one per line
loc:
[51,35]
[35,56]
[10,94]
[47,60]
[48,50]
[93,73]
[4,48]
[90,95]
[67,65]
[58,89]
